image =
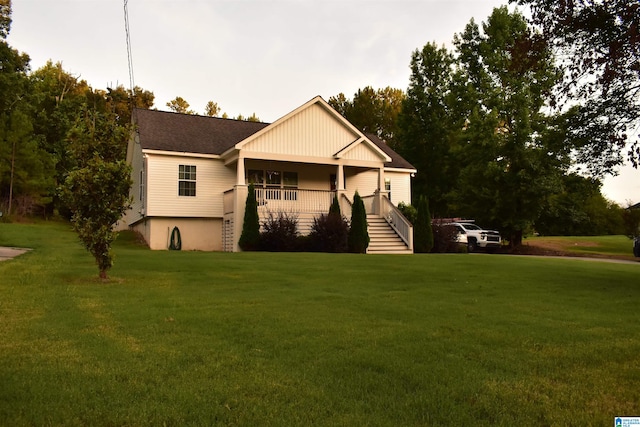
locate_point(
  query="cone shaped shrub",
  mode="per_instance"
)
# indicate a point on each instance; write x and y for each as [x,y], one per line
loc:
[358,240]
[423,234]
[250,237]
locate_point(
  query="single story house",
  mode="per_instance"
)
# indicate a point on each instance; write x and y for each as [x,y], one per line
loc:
[193,172]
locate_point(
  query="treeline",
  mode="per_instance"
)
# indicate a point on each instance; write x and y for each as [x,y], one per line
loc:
[484,127]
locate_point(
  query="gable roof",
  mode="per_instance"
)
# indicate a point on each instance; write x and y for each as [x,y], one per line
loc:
[185,133]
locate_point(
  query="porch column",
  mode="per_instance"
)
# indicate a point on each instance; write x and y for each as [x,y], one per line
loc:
[380,193]
[340,178]
[240,171]
[381,179]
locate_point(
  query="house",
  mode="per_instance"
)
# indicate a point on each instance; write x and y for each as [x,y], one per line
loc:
[193,172]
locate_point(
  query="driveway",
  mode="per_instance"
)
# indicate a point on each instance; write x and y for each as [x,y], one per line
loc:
[8,253]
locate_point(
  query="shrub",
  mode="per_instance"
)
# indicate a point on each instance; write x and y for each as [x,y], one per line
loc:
[250,237]
[358,238]
[335,206]
[423,235]
[280,233]
[329,233]
[409,212]
[445,238]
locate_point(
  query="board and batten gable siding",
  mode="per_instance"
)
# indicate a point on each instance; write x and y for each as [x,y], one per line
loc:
[362,152]
[212,179]
[313,132]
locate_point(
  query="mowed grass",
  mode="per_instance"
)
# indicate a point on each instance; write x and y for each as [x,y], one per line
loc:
[267,339]
[605,246]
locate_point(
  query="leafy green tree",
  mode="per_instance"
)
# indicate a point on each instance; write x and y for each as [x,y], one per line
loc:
[26,171]
[250,237]
[631,221]
[423,234]
[372,111]
[578,208]
[510,160]
[58,98]
[600,50]
[97,192]
[212,109]
[428,126]
[358,239]
[23,166]
[5,18]
[179,105]
[121,101]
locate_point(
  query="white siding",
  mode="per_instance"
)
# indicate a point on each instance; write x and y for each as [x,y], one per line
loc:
[363,181]
[137,205]
[212,179]
[313,132]
[400,187]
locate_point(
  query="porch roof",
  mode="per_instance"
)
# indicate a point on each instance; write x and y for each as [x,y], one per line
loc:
[186,133]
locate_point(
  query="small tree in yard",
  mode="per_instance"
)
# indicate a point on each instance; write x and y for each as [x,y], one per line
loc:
[98,196]
[97,191]
[358,240]
[250,237]
[423,235]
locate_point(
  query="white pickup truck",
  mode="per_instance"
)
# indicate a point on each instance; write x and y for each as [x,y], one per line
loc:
[476,237]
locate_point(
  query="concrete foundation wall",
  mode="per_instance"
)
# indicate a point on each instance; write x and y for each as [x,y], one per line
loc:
[197,234]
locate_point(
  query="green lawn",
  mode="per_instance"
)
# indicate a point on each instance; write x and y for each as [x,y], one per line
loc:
[259,339]
[605,246]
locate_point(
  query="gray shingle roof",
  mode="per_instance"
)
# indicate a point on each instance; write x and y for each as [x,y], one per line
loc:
[397,161]
[161,130]
[184,133]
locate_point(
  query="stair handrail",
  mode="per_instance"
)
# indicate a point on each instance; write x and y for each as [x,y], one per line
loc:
[397,221]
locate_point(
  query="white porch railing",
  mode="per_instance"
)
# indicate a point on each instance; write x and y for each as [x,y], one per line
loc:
[293,200]
[398,222]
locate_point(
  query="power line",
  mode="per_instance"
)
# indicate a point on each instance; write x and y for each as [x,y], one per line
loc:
[129,57]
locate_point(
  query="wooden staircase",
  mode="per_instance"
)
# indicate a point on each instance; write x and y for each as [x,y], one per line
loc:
[383,239]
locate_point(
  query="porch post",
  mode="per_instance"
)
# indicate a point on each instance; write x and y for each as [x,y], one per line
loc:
[340,178]
[380,193]
[240,171]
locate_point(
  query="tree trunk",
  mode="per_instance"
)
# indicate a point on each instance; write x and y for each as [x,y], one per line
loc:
[516,239]
[103,275]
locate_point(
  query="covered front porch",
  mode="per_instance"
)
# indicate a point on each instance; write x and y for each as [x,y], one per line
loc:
[309,204]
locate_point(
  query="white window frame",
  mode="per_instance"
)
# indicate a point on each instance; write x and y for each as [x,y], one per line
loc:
[187,181]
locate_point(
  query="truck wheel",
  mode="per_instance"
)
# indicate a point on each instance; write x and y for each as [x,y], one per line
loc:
[472,245]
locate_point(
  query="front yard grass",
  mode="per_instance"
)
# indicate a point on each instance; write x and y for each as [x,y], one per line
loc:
[259,339]
[596,246]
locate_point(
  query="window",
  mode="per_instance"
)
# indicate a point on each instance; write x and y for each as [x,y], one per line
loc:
[387,187]
[187,180]
[141,188]
[255,177]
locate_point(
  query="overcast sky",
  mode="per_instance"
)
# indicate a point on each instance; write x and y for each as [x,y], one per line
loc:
[250,56]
